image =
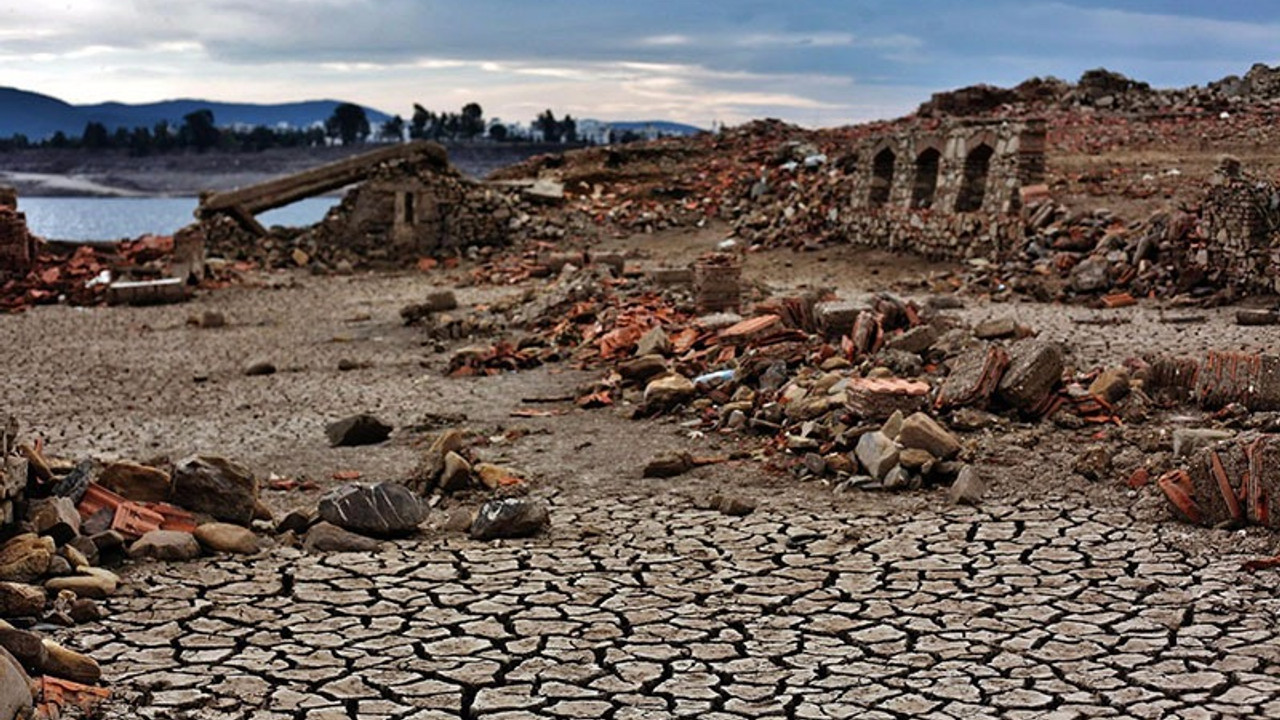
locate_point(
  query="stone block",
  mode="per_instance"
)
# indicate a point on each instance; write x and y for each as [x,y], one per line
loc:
[1035,368]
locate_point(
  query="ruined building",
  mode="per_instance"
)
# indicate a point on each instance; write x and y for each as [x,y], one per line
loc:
[953,193]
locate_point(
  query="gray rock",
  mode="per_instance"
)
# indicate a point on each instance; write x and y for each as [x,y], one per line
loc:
[166,545]
[327,537]
[1090,275]
[216,486]
[56,517]
[668,464]
[385,509]
[1094,463]
[968,488]
[362,429]
[877,453]
[259,369]
[923,432]
[1189,441]
[654,342]
[510,518]
[1035,367]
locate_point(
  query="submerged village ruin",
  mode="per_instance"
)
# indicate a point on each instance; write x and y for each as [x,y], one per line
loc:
[971,413]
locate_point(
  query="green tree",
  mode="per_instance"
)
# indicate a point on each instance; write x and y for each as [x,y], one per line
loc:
[471,123]
[393,129]
[95,136]
[550,127]
[349,123]
[198,130]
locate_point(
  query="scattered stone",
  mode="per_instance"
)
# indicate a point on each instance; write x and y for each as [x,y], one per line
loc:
[877,453]
[427,475]
[968,488]
[362,429]
[456,475]
[1035,367]
[914,459]
[385,509]
[510,518]
[1111,385]
[327,537]
[56,517]
[166,545]
[642,368]
[74,556]
[108,541]
[735,505]
[875,398]
[21,600]
[995,328]
[492,476]
[1189,441]
[66,663]
[26,647]
[668,464]
[974,377]
[923,432]
[260,368]
[1094,463]
[25,558]
[94,585]
[1090,275]
[668,391]
[228,538]
[15,688]
[1255,316]
[917,340]
[85,610]
[216,486]
[211,319]
[297,521]
[970,419]
[654,342]
[136,482]
[58,566]
[459,519]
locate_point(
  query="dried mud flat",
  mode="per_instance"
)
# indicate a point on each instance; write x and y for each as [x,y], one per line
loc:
[1055,598]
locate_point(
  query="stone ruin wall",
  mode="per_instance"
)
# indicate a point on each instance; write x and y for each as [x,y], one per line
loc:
[951,194]
[17,245]
[1240,229]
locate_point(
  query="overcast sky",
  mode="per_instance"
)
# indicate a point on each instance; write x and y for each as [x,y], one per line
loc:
[814,63]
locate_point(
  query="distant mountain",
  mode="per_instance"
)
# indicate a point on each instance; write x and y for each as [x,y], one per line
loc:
[40,116]
[662,126]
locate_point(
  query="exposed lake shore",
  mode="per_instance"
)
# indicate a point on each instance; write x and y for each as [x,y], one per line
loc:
[76,173]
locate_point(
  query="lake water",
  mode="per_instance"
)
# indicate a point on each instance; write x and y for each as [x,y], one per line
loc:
[109,219]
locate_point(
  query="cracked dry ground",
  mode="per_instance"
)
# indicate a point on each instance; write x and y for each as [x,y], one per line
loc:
[1055,599]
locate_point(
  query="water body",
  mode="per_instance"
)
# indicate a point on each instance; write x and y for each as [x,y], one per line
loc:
[110,219]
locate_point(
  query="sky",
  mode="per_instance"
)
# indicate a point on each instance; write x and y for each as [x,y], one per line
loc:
[813,63]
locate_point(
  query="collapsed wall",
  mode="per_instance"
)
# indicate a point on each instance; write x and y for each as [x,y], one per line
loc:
[17,244]
[1240,228]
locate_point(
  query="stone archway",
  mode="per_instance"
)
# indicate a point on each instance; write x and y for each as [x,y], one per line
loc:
[882,168]
[973,185]
[926,180]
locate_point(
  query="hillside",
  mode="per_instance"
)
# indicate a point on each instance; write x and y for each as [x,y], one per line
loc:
[39,116]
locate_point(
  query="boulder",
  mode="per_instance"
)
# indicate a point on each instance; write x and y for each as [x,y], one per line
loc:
[327,537]
[15,688]
[385,509]
[877,453]
[25,558]
[21,600]
[1035,367]
[66,663]
[136,482]
[165,545]
[510,518]
[362,429]
[668,390]
[228,538]
[216,486]
[56,517]
[95,583]
[923,432]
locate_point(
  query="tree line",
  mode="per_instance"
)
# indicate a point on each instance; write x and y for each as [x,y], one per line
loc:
[349,124]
